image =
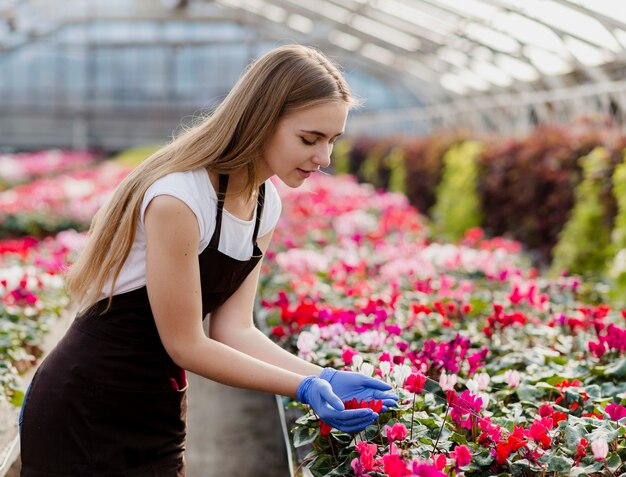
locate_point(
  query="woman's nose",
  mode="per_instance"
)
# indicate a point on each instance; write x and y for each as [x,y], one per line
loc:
[323,156]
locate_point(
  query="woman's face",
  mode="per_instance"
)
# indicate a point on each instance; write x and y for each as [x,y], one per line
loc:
[302,142]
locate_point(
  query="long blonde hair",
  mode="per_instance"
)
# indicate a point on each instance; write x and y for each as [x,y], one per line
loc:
[232,138]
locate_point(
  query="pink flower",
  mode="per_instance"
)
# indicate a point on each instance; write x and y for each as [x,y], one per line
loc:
[600,448]
[367,453]
[462,455]
[396,433]
[615,411]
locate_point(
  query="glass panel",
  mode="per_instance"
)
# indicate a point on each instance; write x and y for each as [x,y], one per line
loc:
[587,54]
[385,33]
[300,23]
[344,40]
[471,8]
[453,83]
[547,62]
[491,73]
[516,68]
[529,31]
[495,39]
[611,8]
[377,53]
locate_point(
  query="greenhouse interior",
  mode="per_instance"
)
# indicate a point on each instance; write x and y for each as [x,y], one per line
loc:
[446,297]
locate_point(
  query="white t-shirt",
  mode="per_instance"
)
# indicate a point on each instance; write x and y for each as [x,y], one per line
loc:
[194,188]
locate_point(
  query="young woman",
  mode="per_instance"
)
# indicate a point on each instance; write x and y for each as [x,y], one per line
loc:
[183,237]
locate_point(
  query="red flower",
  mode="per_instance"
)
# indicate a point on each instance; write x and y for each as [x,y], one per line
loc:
[557,417]
[581,449]
[539,433]
[415,383]
[503,450]
[278,332]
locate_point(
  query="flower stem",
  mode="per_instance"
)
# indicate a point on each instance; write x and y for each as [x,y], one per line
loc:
[412,416]
[380,433]
[332,448]
[441,428]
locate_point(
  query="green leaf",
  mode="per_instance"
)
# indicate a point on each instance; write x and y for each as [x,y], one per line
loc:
[458,438]
[304,436]
[345,468]
[321,466]
[483,459]
[18,397]
[617,368]
[613,462]
[557,463]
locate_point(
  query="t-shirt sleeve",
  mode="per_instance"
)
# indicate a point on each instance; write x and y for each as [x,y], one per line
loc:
[271,209]
[173,185]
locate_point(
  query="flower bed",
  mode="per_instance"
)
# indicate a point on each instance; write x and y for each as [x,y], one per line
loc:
[33,297]
[28,166]
[499,371]
[68,201]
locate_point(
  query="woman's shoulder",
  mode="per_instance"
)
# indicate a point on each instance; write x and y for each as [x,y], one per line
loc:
[187,180]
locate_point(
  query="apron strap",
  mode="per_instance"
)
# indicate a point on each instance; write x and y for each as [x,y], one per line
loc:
[221,196]
[259,213]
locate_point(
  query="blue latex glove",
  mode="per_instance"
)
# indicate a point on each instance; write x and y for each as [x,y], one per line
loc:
[348,385]
[319,395]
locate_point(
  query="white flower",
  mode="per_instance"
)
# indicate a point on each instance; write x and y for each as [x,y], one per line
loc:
[385,367]
[472,385]
[400,373]
[482,379]
[600,448]
[512,378]
[447,382]
[367,369]
[357,361]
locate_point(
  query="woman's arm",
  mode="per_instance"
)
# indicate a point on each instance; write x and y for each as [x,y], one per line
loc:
[232,324]
[173,283]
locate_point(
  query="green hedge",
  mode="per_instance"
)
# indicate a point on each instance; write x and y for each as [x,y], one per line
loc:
[525,185]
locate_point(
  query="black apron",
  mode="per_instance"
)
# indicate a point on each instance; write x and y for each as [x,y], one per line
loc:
[108,400]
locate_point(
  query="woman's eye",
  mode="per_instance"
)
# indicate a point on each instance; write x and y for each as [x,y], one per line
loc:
[308,143]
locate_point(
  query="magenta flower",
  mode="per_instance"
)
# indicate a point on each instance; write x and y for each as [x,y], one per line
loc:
[462,455]
[347,354]
[615,411]
[420,469]
[393,465]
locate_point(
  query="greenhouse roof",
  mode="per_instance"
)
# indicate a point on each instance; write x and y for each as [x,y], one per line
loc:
[440,49]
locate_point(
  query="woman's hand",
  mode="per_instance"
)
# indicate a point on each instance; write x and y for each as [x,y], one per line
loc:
[347,385]
[319,395]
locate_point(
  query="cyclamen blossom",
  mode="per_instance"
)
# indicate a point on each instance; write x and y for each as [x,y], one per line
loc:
[447,382]
[462,455]
[415,383]
[396,433]
[616,411]
[512,378]
[420,469]
[600,448]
